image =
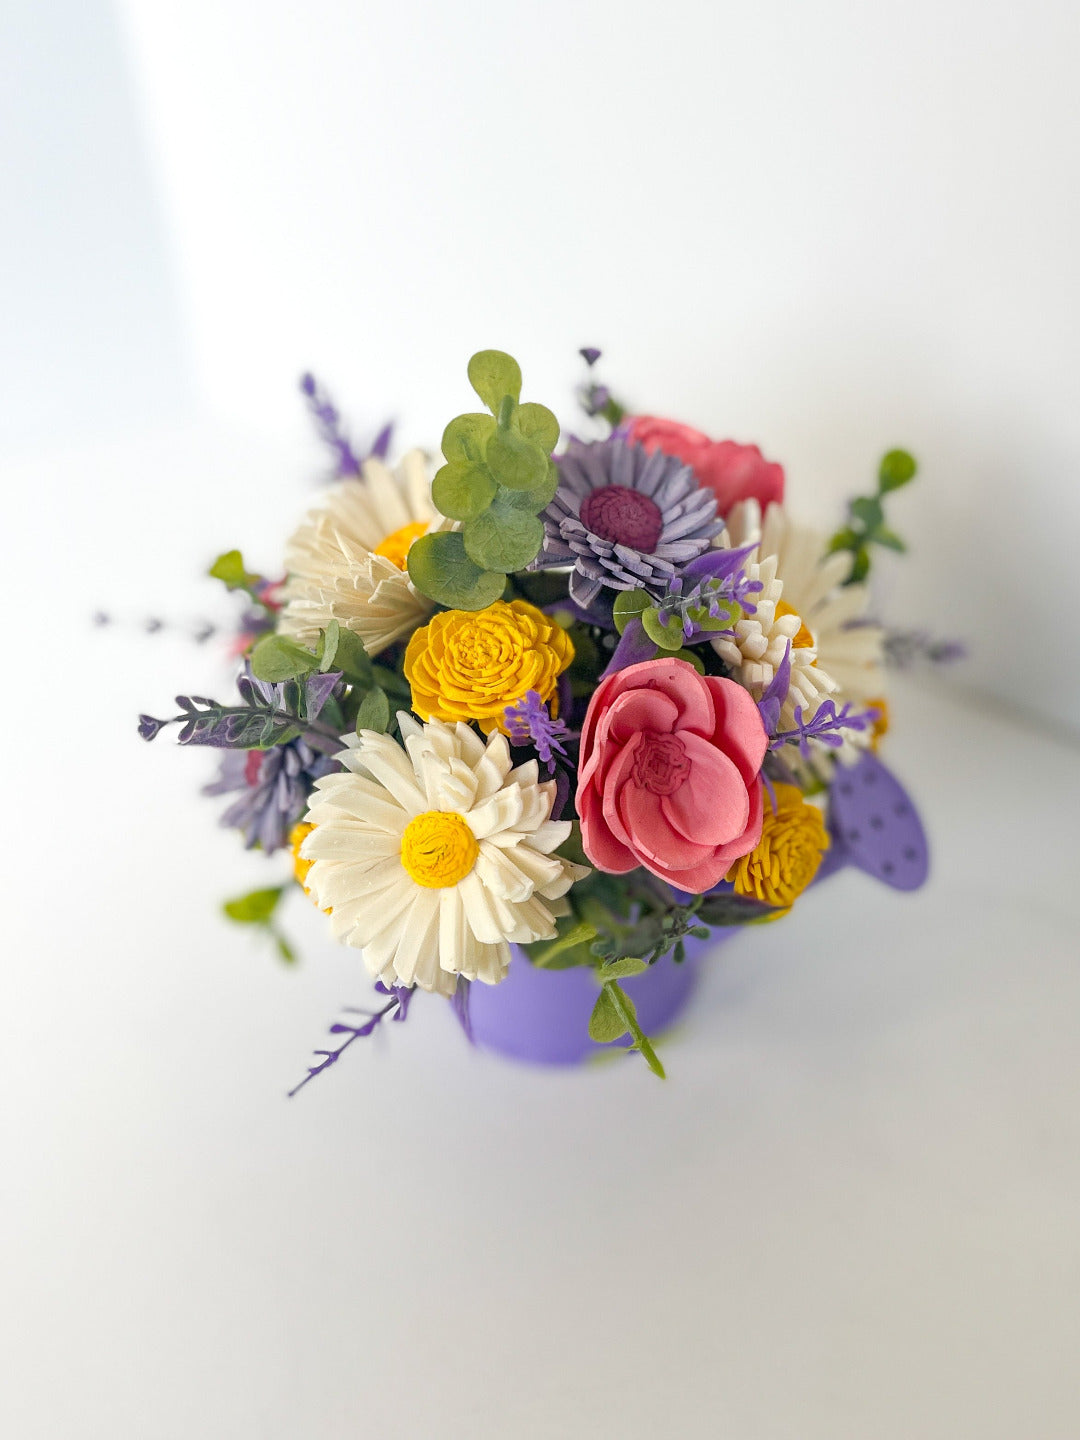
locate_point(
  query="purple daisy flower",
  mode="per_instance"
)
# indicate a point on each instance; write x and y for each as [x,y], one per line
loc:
[275,786]
[624,518]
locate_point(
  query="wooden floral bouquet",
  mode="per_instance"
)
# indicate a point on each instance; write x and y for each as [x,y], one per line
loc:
[556,707]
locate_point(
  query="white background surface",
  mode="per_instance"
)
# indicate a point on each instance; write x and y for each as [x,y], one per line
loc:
[852,1211]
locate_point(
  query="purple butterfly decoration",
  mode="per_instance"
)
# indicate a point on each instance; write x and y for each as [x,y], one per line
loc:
[875,826]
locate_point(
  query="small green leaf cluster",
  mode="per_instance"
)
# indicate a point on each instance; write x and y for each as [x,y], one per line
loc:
[230,569]
[615,1015]
[258,908]
[277,658]
[666,630]
[866,515]
[497,478]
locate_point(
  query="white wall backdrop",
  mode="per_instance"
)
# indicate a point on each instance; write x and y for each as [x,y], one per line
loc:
[832,227]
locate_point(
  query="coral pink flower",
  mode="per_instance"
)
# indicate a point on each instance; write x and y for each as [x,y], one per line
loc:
[670,774]
[733,472]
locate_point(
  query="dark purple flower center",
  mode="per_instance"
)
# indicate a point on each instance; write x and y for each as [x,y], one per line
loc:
[625,517]
[660,764]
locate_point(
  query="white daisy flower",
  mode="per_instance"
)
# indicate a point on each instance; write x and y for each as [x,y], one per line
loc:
[346,562]
[435,858]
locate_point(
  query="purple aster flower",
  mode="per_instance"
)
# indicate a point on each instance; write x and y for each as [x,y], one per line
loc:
[529,722]
[625,519]
[274,785]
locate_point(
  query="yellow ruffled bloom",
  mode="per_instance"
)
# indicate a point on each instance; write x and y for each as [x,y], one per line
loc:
[786,858]
[472,664]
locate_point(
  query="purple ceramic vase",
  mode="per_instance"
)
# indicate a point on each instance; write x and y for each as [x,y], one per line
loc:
[542,1016]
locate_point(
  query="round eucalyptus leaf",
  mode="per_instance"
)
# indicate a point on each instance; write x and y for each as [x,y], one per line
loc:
[463,489]
[493,374]
[440,569]
[503,539]
[466,436]
[515,462]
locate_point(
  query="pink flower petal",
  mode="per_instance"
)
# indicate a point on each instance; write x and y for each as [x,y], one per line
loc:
[712,807]
[739,726]
[637,710]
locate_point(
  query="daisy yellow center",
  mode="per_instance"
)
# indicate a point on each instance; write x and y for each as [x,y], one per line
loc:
[395,547]
[803,640]
[438,849]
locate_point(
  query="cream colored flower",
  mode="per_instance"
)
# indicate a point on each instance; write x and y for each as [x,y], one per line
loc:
[834,652]
[756,649]
[435,858]
[346,562]
[849,650]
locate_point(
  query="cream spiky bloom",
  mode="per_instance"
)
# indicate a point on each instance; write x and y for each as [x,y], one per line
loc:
[435,858]
[346,562]
[849,650]
[756,649]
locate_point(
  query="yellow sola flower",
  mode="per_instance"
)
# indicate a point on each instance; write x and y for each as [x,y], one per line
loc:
[472,664]
[786,858]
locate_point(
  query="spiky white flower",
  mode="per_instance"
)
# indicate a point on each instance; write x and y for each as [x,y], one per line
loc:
[849,649]
[834,653]
[435,858]
[346,562]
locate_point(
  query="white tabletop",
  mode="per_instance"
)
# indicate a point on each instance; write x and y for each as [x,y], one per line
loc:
[851,1212]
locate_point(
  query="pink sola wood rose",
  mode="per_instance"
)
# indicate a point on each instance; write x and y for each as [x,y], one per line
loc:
[670,774]
[733,472]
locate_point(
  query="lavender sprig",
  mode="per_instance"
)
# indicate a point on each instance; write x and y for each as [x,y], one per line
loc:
[715,586]
[269,715]
[905,648]
[529,722]
[396,1008]
[826,725]
[331,431]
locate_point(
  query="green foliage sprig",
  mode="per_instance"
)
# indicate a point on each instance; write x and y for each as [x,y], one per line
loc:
[615,1015]
[258,908]
[498,477]
[230,569]
[866,516]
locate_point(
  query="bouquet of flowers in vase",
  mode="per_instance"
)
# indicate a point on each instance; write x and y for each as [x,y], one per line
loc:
[557,704]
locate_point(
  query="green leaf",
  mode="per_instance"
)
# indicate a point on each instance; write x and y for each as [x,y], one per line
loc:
[503,538]
[629,603]
[351,658]
[537,423]
[440,569]
[667,634]
[284,949]
[727,613]
[276,658]
[374,712]
[867,511]
[897,468]
[621,968]
[579,933]
[536,497]
[327,646]
[692,658]
[230,569]
[845,539]
[624,1008]
[466,437]
[463,489]
[861,568]
[607,1023]
[515,462]
[255,908]
[889,539]
[722,910]
[493,374]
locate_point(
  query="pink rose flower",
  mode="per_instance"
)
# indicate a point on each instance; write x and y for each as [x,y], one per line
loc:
[670,774]
[733,472]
